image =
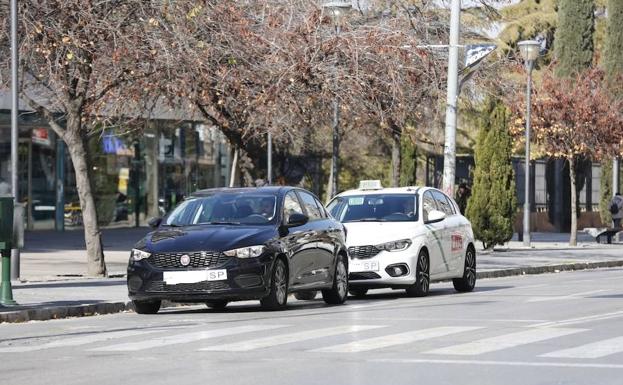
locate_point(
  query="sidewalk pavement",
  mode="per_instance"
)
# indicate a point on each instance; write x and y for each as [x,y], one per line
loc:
[53,266]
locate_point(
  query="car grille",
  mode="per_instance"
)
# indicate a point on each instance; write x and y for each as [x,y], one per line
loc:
[363,275]
[161,287]
[363,252]
[198,259]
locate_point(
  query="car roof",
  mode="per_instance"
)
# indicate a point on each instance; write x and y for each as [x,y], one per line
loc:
[387,190]
[265,189]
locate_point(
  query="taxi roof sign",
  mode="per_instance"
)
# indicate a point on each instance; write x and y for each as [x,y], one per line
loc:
[370,185]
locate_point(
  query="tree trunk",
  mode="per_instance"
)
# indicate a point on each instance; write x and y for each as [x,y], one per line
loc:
[574,219]
[396,155]
[92,233]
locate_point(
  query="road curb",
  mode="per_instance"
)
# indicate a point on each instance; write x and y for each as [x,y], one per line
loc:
[59,312]
[548,269]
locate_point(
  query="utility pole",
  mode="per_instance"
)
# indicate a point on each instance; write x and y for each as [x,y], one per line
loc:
[14,132]
[615,176]
[449,151]
[269,160]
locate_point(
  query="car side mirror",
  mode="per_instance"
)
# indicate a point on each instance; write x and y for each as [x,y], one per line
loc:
[154,222]
[297,219]
[435,216]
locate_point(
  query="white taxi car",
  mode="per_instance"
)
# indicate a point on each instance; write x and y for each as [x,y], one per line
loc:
[405,238]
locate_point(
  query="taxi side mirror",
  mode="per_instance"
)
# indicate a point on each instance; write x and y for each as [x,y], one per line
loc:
[435,216]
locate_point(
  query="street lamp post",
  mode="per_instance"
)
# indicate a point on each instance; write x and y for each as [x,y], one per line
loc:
[449,150]
[337,10]
[530,52]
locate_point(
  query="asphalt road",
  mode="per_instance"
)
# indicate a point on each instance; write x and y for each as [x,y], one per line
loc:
[562,328]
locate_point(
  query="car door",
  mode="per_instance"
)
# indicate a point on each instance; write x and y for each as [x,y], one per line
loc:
[453,239]
[299,241]
[434,237]
[323,255]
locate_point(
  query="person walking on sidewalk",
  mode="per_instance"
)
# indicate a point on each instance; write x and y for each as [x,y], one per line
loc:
[616,209]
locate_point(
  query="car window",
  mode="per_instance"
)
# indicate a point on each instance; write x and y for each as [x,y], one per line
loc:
[313,211]
[323,212]
[291,205]
[443,203]
[428,204]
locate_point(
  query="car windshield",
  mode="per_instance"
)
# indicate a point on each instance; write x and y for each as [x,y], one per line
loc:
[375,208]
[224,208]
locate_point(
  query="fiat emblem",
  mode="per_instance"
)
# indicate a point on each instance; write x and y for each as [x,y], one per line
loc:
[185,260]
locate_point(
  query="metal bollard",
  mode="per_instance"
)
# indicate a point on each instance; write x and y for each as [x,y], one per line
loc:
[6,242]
[18,240]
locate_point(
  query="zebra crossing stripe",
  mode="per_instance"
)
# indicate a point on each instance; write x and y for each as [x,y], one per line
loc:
[77,341]
[283,339]
[184,338]
[506,341]
[593,350]
[394,339]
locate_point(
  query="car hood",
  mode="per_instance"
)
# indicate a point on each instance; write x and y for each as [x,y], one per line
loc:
[206,238]
[374,233]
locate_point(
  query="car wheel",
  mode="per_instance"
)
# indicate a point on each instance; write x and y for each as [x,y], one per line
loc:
[305,295]
[358,293]
[338,293]
[277,298]
[422,277]
[468,281]
[146,307]
[217,305]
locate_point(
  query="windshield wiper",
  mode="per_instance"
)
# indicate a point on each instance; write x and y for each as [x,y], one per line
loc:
[368,220]
[220,223]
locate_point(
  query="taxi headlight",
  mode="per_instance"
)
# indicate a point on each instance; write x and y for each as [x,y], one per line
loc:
[246,252]
[399,245]
[137,254]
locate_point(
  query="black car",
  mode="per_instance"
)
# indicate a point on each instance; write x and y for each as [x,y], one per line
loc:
[232,244]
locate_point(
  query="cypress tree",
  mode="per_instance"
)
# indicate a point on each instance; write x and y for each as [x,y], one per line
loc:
[606,192]
[613,51]
[493,204]
[613,64]
[573,40]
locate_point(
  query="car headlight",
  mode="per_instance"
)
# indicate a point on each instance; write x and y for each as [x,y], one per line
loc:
[400,245]
[137,254]
[246,252]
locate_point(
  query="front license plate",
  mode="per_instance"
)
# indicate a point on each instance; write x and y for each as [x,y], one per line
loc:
[359,266]
[175,277]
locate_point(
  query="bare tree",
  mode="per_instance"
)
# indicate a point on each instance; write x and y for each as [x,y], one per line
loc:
[83,62]
[574,117]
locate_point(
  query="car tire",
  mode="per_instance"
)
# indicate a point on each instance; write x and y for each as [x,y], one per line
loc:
[277,298]
[339,291]
[217,305]
[305,295]
[358,293]
[468,281]
[422,277]
[146,307]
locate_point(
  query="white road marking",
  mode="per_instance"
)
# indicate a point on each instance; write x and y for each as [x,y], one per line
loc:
[593,350]
[505,341]
[581,320]
[77,341]
[394,339]
[289,338]
[184,338]
[480,320]
[496,363]
[565,297]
